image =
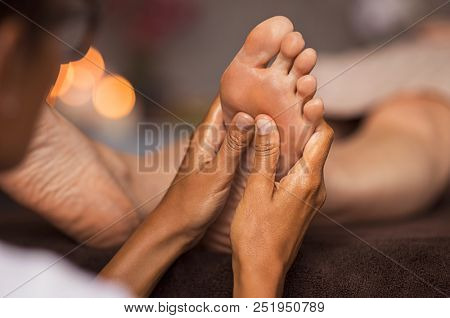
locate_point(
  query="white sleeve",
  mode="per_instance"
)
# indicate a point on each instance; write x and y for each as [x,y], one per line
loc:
[36,273]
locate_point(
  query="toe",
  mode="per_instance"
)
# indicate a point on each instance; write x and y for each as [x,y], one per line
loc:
[264,41]
[313,111]
[291,46]
[306,87]
[304,63]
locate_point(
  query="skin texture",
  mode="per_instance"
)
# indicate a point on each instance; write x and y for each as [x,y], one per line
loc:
[73,179]
[272,217]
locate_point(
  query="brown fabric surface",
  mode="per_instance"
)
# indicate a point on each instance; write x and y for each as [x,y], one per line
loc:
[331,263]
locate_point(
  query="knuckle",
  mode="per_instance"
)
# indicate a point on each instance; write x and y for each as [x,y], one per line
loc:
[313,182]
[266,149]
[235,141]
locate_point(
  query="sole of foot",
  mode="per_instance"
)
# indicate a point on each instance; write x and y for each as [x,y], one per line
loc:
[269,75]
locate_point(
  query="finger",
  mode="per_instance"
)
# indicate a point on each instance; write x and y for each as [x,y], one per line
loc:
[318,146]
[313,111]
[214,114]
[211,132]
[311,115]
[267,152]
[308,170]
[207,138]
[214,117]
[239,135]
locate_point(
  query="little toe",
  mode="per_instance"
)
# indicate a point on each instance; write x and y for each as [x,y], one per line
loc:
[306,87]
[264,41]
[313,111]
[291,46]
[304,63]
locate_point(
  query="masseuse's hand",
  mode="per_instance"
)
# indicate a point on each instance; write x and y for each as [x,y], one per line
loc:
[201,186]
[272,217]
[190,205]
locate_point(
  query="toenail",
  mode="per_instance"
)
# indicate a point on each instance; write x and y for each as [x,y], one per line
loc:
[264,126]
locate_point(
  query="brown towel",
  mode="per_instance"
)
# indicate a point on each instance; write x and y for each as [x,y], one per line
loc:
[332,262]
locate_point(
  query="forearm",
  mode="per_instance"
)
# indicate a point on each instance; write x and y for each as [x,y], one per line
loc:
[148,253]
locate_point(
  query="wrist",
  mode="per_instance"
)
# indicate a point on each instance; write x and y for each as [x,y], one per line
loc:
[258,280]
[178,223]
[147,254]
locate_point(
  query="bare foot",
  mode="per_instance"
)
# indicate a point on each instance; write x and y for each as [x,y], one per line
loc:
[283,90]
[66,182]
[279,90]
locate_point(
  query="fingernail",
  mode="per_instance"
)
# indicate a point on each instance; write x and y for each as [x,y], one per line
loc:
[264,126]
[243,122]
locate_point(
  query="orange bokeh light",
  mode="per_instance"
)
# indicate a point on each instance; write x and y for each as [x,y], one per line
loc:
[88,70]
[114,97]
[62,84]
[82,81]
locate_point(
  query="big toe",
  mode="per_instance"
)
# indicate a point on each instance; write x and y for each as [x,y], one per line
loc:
[264,41]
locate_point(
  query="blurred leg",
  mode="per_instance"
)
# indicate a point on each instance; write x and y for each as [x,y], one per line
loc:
[395,164]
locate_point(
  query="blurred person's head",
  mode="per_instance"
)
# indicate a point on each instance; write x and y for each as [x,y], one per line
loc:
[33,35]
